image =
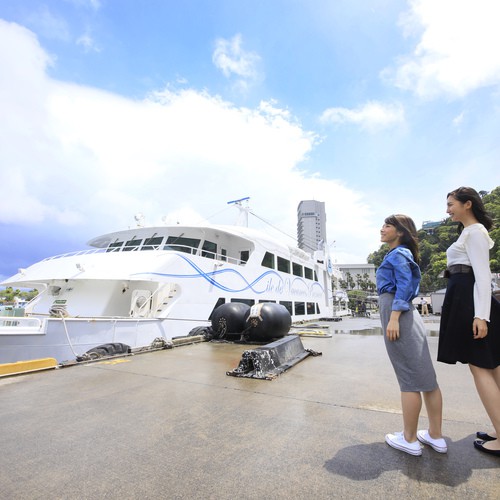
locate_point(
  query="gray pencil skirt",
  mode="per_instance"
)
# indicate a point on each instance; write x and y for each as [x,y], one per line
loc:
[409,354]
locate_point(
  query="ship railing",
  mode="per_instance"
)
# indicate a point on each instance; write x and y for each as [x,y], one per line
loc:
[74,254]
[42,316]
[28,308]
[222,258]
[178,248]
[204,253]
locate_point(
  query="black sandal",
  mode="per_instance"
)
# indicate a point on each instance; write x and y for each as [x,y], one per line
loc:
[478,444]
[485,436]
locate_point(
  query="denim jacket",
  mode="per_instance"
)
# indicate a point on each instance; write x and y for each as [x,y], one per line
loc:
[400,275]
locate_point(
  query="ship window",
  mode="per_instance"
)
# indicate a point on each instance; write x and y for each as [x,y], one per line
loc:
[317,309]
[114,247]
[244,255]
[186,245]
[311,308]
[223,254]
[315,276]
[268,260]
[288,305]
[152,243]
[283,265]
[308,273]
[131,245]
[299,308]
[297,269]
[249,302]
[265,301]
[209,249]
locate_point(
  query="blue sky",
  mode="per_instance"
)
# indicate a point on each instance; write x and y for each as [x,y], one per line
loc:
[170,109]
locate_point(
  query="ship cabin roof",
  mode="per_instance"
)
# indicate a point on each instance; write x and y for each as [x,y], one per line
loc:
[230,243]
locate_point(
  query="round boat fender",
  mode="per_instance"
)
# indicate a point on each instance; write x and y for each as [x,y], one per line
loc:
[267,320]
[229,319]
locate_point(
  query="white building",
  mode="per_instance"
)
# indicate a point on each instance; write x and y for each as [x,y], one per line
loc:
[361,269]
[311,225]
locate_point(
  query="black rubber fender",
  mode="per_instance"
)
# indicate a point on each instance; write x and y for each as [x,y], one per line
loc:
[105,350]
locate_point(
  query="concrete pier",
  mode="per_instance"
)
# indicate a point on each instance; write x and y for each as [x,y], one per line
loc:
[171,424]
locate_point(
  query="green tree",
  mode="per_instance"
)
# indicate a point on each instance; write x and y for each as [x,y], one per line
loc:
[348,283]
[8,294]
[364,283]
[377,257]
[492,205]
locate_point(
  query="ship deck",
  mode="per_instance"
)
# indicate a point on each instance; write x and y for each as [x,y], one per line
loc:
[171,424]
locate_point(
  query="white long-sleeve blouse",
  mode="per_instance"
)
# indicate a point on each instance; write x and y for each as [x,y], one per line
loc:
[472,249]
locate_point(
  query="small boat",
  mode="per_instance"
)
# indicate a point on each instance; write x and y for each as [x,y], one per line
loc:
[141,287]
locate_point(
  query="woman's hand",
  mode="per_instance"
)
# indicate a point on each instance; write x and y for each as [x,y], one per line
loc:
[393,326]
[479,328]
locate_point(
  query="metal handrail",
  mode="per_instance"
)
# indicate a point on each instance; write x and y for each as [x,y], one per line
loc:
[157,248]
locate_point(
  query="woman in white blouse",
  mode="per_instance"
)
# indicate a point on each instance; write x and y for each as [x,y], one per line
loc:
[470,323]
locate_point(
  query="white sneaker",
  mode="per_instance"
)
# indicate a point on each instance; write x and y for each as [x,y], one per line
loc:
[438,445]
[398,441]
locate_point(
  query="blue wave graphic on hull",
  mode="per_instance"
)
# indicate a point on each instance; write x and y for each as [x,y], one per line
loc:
[210,277]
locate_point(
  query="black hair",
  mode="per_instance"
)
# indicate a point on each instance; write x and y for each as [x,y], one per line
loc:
[464,194]
[405,225]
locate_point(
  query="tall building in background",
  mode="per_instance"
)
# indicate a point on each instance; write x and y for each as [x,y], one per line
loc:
[311,225]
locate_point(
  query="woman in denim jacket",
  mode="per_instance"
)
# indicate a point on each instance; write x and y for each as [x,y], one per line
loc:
[398,281]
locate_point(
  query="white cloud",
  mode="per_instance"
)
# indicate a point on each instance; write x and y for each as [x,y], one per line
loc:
[90,159]
[92,4]
[49,25]
[14,189]
[88,43]
[372,115]
[458,48]
[229,57]
[458,120]
[232,60]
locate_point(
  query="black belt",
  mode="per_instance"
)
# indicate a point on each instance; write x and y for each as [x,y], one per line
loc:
[457,268]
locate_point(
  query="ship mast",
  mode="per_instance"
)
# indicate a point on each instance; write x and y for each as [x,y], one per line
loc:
[243,215]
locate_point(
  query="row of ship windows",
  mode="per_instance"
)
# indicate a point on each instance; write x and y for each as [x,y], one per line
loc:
[284,265]
[177,243]
[209,250]
[155,242]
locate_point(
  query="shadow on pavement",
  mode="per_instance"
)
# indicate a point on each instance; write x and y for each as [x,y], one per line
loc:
[365,462]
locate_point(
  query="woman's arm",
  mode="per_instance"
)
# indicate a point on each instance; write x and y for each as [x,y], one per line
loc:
[478,251]
[392,331]
[404,292]
[477,246]
[405,283]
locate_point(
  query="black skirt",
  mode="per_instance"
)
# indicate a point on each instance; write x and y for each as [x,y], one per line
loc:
[456,341]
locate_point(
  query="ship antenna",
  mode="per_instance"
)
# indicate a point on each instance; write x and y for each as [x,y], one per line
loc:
[243,215]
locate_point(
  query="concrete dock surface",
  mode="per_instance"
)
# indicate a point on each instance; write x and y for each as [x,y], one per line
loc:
[172,425]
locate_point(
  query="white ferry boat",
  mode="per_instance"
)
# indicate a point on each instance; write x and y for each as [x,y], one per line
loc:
[146,285]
